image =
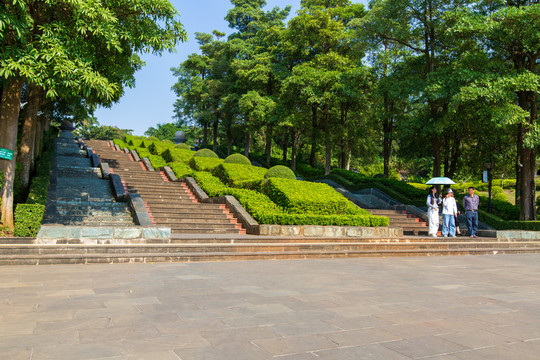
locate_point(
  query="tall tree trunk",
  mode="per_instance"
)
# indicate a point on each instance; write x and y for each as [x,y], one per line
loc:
[9,116]
[269,129]
[314,135]
[285,145]
[247,146]
[29,120]
[527,101]
[348,162]
[229,139]
[454,156]
[345,137]
[446,157]
[327,139]
[519,146]
[215,134]
[294,145]
[436,145]
[205,133]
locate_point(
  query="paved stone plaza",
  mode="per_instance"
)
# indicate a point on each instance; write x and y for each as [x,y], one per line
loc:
[444,308]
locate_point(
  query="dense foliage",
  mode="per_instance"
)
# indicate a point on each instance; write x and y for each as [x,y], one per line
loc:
[418,88]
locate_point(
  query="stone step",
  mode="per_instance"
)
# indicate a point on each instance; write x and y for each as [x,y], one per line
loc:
[181,207]
[249,248]
[89,258]
[63,218]
[207,231]
[186,213]
[407,223]
[215,219]
[70,161]
[203,226]
[78,172]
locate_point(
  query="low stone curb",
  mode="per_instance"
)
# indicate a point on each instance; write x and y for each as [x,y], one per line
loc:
[59,234]
[170,174]
[517,235]
[147,164]
[330,231]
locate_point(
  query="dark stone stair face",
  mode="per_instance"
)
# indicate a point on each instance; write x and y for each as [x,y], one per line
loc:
[81,197]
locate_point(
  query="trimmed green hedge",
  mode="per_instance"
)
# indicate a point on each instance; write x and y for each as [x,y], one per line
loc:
[158,147]
[302,196]
[280,171]
[265,211]
[237,159]
[207,153]
[156,161]
[120,143]
[143,152]
[180,169]
[177,155]
[182,146]
[28,218]
[204,163]
[238,175]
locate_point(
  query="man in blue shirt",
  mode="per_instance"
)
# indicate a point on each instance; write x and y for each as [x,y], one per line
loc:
[470,204]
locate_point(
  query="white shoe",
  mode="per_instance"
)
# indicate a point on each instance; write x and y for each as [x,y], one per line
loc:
[434,235]
[445,235]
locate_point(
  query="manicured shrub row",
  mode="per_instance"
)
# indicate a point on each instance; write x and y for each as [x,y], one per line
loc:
[237,159]
[265,211]
[300,197]
[238,175]
[156,161]
[177,155]
[158,147]
[280,171]
[205,153]
[120,143]
[204,163]
[180,169]
[143,152]
[28,219]
[182,146]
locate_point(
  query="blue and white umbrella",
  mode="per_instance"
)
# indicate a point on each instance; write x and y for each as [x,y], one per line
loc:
[440,181]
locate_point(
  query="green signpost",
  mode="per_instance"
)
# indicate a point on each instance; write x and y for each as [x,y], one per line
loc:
[6,154]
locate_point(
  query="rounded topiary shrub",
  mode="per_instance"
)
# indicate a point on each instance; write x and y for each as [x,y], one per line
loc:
[237,159]
[205,153]
[183,146]
[167,141]
[152,138]
[280,171]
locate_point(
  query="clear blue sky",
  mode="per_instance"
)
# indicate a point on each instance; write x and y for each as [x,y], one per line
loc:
[151,100]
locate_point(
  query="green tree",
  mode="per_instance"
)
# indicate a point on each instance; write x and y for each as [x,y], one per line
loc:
[84,48]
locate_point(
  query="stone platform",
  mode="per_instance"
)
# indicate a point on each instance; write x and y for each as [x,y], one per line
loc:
[451,308]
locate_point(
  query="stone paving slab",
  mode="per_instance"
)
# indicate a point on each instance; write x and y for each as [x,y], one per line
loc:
[457,308]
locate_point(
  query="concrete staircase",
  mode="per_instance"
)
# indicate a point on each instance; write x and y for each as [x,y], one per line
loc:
[170,204]
[77,195]
[412,225]
[247,247]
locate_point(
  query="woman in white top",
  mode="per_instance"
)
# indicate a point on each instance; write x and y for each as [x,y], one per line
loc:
[433,211]
[449,213]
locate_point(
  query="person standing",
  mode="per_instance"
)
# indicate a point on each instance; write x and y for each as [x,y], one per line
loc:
[449,214]
[470,204]
[432,203]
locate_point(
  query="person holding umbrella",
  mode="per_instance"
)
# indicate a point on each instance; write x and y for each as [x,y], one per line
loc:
[449,214]
[432,203]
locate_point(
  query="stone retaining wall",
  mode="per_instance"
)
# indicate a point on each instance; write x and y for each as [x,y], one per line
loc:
[518,235]
[59,234]
[330,231]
